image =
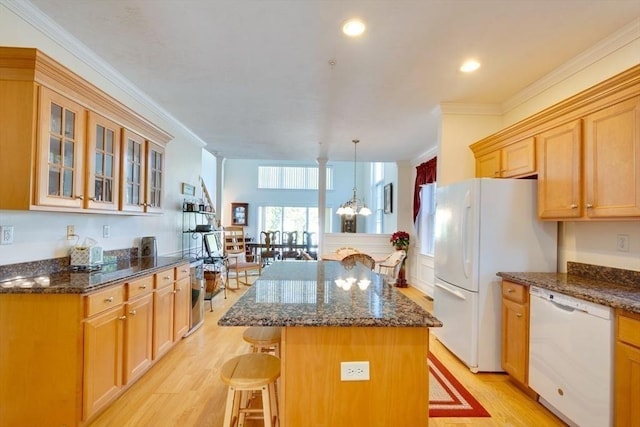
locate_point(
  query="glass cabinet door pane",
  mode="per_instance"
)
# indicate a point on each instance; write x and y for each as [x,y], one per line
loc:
[69,160]
[99,137]
[108,165]
[99,163]
[67,183]
[55,149]
[69,124]
[109,141]
[54,181]
[98,189]
[55,119]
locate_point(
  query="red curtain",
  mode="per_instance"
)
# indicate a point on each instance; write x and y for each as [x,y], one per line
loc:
[425,174]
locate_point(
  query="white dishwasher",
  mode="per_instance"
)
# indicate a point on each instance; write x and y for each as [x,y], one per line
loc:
[570,357]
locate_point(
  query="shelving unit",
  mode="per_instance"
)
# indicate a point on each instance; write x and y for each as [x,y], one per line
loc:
[193,246]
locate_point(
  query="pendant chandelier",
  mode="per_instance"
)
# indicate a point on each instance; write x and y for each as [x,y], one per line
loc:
[355,206]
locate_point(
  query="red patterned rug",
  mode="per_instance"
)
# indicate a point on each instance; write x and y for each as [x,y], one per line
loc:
[449,398]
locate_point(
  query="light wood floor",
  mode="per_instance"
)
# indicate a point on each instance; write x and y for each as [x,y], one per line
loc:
[184,388]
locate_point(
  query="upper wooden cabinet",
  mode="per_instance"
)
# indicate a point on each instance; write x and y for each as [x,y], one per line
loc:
[514,160]
[592,172]
[62,141]
[587,152]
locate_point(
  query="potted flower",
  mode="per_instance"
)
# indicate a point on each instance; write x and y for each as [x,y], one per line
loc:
[400,240]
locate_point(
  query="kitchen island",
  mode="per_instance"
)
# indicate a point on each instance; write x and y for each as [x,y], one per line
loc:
[330,314]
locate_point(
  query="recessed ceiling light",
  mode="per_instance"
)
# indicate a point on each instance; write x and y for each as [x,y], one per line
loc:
[353,27]
[470,66]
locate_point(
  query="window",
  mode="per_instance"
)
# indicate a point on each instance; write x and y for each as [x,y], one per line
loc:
[291,177]
[426,218]
[377,177]
[289,218]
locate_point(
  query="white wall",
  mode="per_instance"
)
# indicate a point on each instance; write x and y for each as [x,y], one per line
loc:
[41,235]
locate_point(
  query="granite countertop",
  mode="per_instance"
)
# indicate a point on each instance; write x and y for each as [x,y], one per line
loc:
[81,282]
[305,293]
[611,287]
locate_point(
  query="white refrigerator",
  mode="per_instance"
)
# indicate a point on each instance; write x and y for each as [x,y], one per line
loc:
[484,226]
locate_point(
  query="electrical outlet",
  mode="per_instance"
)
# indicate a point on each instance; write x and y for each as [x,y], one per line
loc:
[6,235]
[354,371]
[106,231]
[622,242]
[71,232]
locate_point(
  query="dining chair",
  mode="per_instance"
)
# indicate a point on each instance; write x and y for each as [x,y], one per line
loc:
[269,251]
[310,245]
[235,251]
[364,259]
[289,243]
[389,266]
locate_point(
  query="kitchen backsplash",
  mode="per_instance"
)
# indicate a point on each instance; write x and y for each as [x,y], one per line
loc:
[46,266]
[606,274]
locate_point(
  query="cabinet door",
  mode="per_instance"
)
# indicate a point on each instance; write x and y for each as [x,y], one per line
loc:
[163,321]
[103,357]
[138,337]
[560,172]
[488,166]
[103,163]
[182,307]
[518,159]
[627,385]
[60,151]
[155,178]
[133,170]
[612,159]
[515,339]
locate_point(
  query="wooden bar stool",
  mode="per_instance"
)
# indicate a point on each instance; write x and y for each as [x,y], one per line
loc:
[245,374]
[263,339]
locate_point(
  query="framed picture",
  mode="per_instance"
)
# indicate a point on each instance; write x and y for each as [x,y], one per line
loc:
[239,213]
[388,198]
[188,189]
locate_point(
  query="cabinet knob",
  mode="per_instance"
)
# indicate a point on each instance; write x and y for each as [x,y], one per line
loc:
[143,286]
[110,299]
[574,206]
[122,318]
[518,315]
[510,290]
[175,292]
[178,289]
[132,312]
[589,205]
[80,197]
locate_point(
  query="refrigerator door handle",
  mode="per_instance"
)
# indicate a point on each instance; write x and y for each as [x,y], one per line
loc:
[466,258]
[451,291]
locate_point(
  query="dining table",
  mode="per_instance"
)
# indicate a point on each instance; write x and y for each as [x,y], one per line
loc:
[332,315]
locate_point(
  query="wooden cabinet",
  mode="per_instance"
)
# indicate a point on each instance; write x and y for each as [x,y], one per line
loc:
[61,146]
[560,172]
[515,331]
[102,163]
[103,340]
[138,336]
[627,369]
[95,345]
[163,320]
[143,174]
[513,160]
[62,139]
[590,168]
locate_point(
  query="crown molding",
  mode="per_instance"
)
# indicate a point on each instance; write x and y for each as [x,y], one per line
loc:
[602,49]
[470,109]
[41,22]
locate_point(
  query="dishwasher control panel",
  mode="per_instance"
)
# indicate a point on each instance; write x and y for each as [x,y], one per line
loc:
[571,302]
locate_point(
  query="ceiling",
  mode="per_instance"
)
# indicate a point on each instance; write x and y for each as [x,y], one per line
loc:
[253,80]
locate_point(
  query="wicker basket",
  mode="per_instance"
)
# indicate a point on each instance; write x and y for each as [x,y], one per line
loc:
[213,281]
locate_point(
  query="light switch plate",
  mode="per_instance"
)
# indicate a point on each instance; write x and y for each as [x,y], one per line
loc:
[6,235]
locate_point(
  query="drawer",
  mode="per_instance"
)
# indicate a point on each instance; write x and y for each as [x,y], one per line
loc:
[182,271]
[628,328]
[102,300]
[139,287]
[515,292]
[164,278]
